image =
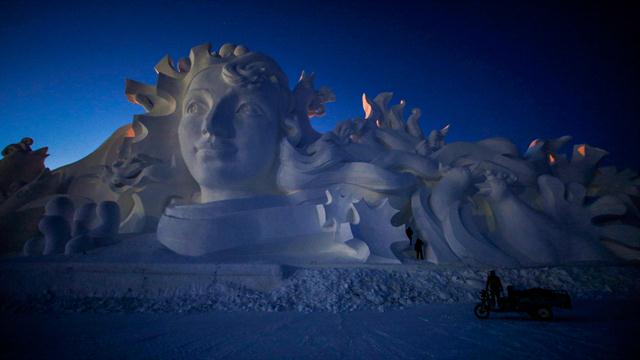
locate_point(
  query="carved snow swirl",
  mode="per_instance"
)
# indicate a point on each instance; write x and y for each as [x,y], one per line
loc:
[252,70]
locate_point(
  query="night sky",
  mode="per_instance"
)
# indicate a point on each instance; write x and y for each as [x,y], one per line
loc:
[508,69]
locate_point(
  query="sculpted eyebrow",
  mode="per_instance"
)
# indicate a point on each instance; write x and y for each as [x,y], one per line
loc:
[202,89]
[198,94]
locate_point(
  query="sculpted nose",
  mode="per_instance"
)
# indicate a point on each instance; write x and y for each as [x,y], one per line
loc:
[218,124]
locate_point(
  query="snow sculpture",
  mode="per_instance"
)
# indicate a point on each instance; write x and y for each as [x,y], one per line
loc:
[224,162]
[33,246]
[56,234]
[60,206]
[69,232]
[82,219]
[246,140]
[79,244]
[80,239]
[106,231]
[236,111]
[55,224]
[19,166]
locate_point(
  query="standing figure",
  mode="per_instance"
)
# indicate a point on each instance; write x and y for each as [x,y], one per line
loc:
[409,233]
[419,245]
[494,287]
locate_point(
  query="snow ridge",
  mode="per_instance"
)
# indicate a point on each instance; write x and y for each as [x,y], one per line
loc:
[350,288]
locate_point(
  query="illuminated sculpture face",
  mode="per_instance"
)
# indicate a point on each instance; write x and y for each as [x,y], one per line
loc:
[229,136]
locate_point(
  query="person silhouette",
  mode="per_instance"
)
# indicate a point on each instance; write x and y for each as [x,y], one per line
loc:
[409,233]
[418,247]
[494,287]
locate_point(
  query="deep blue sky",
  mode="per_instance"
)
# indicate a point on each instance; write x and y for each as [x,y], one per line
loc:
[490,69]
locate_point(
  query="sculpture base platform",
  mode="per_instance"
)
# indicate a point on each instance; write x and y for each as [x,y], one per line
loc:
[139,265]
[122,279]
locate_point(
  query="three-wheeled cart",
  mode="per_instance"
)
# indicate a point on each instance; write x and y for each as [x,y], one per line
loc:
[536,302]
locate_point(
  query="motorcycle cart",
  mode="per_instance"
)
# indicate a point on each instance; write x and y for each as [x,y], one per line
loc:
[536,302]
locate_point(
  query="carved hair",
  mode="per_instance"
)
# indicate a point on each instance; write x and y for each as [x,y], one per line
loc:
[238,67]
[253,70]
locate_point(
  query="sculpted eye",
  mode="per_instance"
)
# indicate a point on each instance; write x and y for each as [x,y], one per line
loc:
[248,109]
[196,107]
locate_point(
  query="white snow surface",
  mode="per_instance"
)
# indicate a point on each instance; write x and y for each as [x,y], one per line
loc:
[414,310]
[592,330]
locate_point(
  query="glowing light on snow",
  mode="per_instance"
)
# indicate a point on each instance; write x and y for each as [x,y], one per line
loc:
[534,143]
[379,123]
[130,133]
[132,99]
[582,150]
[552,159]
[366,106]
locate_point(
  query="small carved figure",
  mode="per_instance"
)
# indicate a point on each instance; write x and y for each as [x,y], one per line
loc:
[109,215]
[82,219]
[56,232]
[60,206]
[64,235]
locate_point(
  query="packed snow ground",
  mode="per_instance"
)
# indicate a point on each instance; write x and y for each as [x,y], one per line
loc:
[350,288]
[594,329]
[409,311]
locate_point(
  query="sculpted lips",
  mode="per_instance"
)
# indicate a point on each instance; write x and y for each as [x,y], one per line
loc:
[214,149]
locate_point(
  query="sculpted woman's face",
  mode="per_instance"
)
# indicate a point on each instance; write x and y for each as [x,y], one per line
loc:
[229,137]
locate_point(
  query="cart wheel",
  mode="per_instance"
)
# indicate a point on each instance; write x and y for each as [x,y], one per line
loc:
[543,313]
[481,311]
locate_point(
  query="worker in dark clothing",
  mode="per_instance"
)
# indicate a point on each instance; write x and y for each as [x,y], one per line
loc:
[494,287]
[409,233]
[419,245]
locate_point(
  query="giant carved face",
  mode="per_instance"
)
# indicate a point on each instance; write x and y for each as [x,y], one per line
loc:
[229,135]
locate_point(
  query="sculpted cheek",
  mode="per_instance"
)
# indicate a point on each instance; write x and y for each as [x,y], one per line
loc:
[191,126]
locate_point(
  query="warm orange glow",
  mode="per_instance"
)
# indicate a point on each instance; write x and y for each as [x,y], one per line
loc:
[582,150]
[130,133]
[552,159]
[132,99]
[366,106]
[533,143]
